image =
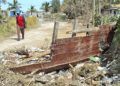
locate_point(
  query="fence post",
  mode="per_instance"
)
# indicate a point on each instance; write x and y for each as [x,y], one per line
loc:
[55,31]
[74,27]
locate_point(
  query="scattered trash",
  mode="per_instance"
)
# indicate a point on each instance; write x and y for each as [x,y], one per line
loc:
[34,49]
[94,59]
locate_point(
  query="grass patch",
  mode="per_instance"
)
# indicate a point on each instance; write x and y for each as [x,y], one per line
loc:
[32,22]
[8,28]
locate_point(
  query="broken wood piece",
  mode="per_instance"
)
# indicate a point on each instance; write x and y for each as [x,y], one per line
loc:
[81,31]
[55,32]
[36,56]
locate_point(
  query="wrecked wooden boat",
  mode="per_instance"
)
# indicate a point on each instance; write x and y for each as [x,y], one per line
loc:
[71,51]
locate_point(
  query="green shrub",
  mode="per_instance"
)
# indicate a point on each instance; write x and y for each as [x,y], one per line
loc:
[105,19]
[113,18]
[97,20]
[116,39]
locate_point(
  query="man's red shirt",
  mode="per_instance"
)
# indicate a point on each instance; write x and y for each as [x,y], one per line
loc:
[20,21]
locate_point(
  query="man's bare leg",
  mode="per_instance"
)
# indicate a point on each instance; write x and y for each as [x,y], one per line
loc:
[18,33]
[22,32]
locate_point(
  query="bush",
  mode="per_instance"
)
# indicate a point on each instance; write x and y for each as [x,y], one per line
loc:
[109,19]
[116,39]
[9,27]
[31,22]
[113,18]
[106,20]
[97,20]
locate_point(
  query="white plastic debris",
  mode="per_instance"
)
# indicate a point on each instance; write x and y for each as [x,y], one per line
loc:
[34,49]
[79,65]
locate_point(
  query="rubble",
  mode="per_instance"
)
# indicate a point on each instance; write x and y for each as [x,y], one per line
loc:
[24,57]
[87,74]
[83,74]
[8,78]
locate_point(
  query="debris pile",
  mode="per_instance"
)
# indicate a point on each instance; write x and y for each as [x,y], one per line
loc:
[83,74]
[24,57]
[101,70]
[8,78]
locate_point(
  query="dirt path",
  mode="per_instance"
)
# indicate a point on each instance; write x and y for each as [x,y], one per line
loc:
[33,38]
[40,37]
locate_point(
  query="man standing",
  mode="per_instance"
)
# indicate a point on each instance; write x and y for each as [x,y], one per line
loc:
[20,20]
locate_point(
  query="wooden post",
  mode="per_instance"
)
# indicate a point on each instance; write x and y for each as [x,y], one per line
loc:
[93,14]
[74,27]
[55,32]
[99,7]
[110,3]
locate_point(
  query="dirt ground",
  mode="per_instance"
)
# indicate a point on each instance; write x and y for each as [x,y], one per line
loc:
[36,37]
[40,37]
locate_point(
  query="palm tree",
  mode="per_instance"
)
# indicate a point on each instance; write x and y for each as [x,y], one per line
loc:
[32,9]
[46,6]
[15,5]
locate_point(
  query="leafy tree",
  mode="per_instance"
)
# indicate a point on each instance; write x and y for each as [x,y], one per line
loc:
[75,8]
[46,6]
[55,6]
